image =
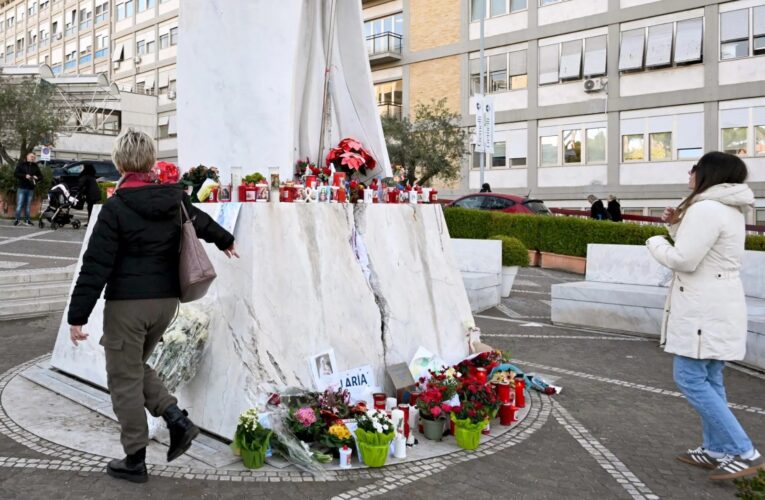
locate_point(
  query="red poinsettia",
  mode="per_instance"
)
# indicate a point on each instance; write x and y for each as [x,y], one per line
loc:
[350,156]
[166,172]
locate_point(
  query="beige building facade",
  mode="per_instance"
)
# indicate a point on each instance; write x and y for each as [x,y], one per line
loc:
[592,96]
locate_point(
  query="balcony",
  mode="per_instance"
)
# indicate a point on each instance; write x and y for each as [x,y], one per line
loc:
[102,52]
[72,64]
[32,47]
[56,69]
[384,47]
[389,109]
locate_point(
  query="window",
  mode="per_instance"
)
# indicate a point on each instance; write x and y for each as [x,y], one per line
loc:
[54,27]
[142,5]
[499,158]
[688,41]
[173,36]
[498,74]
[476,9]
[633,147]
[498,8]
[596,145]
[759,140]
[571,60]
[734,140]
[164,41]
[631,51]
[390,98]
[150,47]
[470,202]
[548,64]
[120,11]
[572,146]
[140,47]
[549,150]
[129,8]
[496,203]
[734,34]
[595,56]
[659,47]
[758,30]
[102,12]
[660,144]
[518,74]
[689,153]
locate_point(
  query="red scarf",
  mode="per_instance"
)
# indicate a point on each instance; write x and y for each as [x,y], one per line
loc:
[137,179]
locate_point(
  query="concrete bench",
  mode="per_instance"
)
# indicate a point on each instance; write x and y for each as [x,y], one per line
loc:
[480,262]
[625,290]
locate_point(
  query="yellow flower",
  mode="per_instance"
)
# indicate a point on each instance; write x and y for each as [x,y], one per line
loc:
[340,431]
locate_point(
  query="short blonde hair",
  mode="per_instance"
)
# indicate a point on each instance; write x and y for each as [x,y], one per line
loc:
[134,152]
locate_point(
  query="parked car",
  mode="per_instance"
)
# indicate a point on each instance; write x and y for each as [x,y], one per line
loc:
[68,174]
[509,203]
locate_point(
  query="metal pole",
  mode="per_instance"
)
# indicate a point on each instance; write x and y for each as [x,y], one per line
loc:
[482,84]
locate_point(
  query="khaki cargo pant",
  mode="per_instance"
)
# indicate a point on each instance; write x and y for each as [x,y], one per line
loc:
[132,329]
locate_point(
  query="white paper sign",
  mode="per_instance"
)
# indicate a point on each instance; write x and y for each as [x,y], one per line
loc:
[357,381]
[488,122]
[324,369]
[480,124]
[227,215]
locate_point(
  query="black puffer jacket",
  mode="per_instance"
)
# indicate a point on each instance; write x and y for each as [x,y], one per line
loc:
[134,248]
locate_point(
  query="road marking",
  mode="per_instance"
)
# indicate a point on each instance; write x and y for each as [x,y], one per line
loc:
[9,254]
[25,237]
[515,290]
[526,283]
[507,311]
[602,455]
[10,264]
[575,337]
[532,325]
[631,385]
[562,327]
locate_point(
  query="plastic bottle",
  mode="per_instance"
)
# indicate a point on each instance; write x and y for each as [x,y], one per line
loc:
[345,457]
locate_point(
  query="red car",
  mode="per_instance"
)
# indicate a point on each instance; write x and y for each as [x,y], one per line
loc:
[509,203]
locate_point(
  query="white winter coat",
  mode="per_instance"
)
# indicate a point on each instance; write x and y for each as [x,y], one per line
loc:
[706,316]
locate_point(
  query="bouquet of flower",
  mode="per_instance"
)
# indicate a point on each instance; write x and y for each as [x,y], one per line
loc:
[373,435]
[304,423]
[431,404]
[322,174]
[302,166]
[488,360]
[478,397]
[176,358]
[166,172]
[251,439]
[336,402]
[197,176]
[350,156]
[337,436]
[447,381]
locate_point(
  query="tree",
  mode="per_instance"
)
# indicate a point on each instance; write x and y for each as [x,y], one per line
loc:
[431,146]
[29,115]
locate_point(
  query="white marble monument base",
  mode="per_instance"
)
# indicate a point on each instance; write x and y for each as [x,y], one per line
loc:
[480,262]
[300,289]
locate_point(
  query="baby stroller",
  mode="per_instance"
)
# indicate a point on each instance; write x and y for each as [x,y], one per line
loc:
[59,204]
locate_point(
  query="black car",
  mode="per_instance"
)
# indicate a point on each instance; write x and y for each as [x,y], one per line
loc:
[69,174]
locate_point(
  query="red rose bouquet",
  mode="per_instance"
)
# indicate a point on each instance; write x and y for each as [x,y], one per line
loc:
[350,156]
[166,172]
[479,397]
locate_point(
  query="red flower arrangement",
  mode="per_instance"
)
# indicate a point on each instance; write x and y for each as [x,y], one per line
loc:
[302,166]
[478,400]
[488,360]
[350,156]
[321,173]
[166,172]
[431,404]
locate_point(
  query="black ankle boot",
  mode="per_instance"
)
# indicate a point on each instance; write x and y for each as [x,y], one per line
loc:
[131,468]
[182,431]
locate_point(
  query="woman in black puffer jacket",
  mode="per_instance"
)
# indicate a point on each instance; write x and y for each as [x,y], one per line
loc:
[87,187]
[133,251]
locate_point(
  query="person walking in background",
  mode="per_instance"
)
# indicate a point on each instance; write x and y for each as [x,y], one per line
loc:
[597,211]
[486,188]
[27,174]
[614,209]
[705,322]
[133,251]
[87,188]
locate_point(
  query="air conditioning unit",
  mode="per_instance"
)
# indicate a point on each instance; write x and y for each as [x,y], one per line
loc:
[171,95]
[594,85]
[58,36]
[116,65]
[137,59]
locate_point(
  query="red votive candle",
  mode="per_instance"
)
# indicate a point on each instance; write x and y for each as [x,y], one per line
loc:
[480,374]
[486,430]
[379,399]
[520,397]
[405,409]
[413,397]
[503,392]
[507,414]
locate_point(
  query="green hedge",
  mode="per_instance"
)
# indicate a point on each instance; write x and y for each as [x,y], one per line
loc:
[561,235]
[103,186]
[514,252]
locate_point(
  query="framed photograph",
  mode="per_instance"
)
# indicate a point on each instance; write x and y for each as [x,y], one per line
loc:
[325,194]
[324,369]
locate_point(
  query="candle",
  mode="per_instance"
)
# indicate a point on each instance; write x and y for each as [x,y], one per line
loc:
[413,397]
[503,392]
[390,403]
[405,408]
[399,447]
[486,430]
[379,400]
[520,397]
[480,374]
[397,418]
[345,457]
[507,414]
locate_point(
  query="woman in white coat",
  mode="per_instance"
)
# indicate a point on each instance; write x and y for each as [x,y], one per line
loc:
[706,319]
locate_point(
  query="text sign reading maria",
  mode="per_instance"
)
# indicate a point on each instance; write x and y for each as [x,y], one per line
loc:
[362,376]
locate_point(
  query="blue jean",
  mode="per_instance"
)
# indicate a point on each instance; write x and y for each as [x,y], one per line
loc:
[701,381]
[24,200]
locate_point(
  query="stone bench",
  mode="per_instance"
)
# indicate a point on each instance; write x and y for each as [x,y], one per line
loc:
[625,290]
[480,262]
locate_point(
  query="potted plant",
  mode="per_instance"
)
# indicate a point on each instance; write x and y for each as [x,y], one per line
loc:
[197,176]
[430,404]
[373,435]
[514,256]
[469,420]
[304,423]
[337,436]
[251,439]
[350,156]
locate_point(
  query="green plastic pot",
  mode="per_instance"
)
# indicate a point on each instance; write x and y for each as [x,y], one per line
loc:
[253,459]
[374,455]
[433,429]
[467,438]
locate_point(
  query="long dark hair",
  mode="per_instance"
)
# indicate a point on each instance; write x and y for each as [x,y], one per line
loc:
[712,169]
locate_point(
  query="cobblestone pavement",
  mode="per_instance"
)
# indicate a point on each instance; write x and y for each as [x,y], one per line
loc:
[612,433]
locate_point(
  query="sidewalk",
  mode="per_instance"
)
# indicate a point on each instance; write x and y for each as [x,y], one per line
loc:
[612,433]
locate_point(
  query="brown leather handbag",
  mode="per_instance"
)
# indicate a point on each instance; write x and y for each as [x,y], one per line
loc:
[195,270]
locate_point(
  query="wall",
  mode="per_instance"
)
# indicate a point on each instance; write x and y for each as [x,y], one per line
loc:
[435,79]
[433,23]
